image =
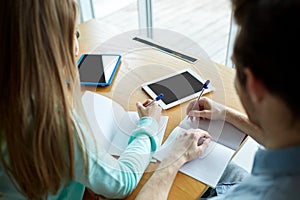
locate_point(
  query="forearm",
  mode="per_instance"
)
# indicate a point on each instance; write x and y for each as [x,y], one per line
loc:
[242,122]
[158,186]
[110,177]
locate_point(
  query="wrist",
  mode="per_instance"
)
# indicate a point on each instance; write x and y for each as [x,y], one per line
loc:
[234,117]
[174,161]
[228,114]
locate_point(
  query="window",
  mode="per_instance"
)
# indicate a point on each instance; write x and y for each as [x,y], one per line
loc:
[205,22]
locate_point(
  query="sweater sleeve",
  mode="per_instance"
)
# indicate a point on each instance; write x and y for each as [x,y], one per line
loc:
[116,178]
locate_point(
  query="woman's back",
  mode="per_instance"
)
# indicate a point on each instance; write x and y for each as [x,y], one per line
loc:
[47,147]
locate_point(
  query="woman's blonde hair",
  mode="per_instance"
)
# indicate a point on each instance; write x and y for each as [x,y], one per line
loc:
[37,75]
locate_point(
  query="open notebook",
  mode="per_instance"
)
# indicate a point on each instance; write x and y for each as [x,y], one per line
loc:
[112,123]
[209,167]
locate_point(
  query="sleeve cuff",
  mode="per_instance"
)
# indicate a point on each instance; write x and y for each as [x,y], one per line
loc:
[147,126]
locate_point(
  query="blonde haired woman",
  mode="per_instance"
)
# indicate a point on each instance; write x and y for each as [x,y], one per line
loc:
[47,151]
[46,148]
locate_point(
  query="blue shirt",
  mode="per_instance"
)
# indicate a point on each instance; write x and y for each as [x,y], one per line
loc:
[275,175]
[110,177]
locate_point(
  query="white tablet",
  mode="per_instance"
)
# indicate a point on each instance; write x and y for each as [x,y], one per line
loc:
[177,88]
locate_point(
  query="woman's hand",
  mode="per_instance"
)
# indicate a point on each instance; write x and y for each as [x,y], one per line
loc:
[207,109]
[153,110]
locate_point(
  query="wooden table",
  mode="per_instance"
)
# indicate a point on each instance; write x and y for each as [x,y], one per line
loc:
[140,64]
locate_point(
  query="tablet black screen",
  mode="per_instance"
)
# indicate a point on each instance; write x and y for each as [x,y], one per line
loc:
[91,69]
[176,87]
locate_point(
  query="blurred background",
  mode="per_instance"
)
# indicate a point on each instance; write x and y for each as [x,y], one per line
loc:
[206,22]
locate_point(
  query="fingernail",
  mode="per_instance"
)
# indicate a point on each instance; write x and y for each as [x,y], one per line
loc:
[200,141]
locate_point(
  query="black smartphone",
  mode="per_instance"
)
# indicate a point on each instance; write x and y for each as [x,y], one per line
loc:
[98,69]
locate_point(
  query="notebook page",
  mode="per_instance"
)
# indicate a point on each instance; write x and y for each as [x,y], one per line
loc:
[221,131]
[125,129]
[111,124]
[210,166]
[103,115]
